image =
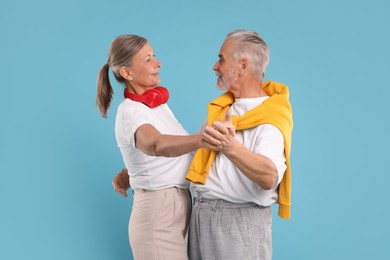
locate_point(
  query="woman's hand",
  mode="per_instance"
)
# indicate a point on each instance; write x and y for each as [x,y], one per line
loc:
[121,182]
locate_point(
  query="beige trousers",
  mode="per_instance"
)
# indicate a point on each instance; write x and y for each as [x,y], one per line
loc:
[158,224]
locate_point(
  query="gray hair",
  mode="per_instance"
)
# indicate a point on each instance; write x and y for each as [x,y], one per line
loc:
[248,44]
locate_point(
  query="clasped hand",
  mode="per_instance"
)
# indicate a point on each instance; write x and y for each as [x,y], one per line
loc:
[220,135]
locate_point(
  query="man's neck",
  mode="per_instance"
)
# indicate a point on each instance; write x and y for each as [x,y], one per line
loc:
[250,88]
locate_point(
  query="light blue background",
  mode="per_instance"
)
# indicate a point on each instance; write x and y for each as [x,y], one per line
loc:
[58,156]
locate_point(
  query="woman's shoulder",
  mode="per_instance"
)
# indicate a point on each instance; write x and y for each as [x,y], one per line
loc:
[128,105]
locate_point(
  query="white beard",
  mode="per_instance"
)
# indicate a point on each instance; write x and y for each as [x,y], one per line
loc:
[226,81]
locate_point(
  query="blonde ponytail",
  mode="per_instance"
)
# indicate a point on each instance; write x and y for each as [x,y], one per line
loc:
[104,91]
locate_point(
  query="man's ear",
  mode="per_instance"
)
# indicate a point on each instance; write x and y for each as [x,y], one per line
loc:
[243,66]
[125,73]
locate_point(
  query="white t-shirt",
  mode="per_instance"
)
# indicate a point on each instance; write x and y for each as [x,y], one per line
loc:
[150,172]
[225,181]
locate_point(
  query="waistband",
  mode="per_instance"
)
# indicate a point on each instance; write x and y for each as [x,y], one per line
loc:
[160,190]
[220,203]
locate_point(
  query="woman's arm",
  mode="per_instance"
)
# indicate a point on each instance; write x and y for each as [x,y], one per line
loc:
[150,141]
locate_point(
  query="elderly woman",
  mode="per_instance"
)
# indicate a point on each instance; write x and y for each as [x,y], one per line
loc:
[155,150]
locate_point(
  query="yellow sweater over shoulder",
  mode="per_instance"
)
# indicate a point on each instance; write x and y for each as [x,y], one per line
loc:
[276,110]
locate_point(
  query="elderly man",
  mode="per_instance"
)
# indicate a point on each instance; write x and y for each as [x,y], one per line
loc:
[241,175]
[246,165]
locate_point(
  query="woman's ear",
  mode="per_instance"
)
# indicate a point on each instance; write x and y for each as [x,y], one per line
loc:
[125,73]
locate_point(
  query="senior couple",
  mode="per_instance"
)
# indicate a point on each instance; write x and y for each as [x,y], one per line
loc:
[236,166]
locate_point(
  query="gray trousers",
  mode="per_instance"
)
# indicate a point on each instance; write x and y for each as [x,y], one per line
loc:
[221,230]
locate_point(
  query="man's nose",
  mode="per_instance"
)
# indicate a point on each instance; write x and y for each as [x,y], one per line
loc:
[216,66]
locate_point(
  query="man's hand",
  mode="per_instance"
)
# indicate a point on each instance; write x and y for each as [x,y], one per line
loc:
[121,182]
[220,134]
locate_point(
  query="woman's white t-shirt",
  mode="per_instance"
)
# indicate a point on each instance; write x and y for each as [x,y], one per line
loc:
[150,172]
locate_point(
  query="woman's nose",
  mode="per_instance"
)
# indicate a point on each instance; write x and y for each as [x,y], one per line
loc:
[157,63]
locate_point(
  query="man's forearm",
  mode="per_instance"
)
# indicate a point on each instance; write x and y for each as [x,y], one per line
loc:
[256,167]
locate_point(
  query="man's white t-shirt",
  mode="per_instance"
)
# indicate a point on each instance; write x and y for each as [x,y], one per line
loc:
[150,172]
[225,181]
